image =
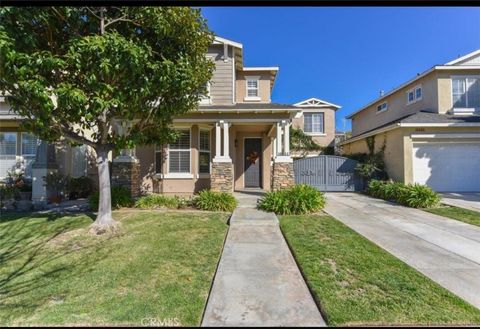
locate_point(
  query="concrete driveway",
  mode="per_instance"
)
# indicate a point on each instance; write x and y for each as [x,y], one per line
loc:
[445,250]
[463,200]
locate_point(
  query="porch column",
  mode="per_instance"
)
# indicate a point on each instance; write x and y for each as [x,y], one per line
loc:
[221,178]
[218,141]
[126,171]
[283,176]
[279,138]
[286,138]
[226,149]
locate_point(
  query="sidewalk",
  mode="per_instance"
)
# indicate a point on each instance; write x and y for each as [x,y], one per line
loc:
[258,282]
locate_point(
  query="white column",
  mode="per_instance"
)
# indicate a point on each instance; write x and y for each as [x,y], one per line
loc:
[279,139]
[218,141]
[286,138]
[226,153]
[274,150]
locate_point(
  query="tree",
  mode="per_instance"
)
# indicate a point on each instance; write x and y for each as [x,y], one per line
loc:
[74,73]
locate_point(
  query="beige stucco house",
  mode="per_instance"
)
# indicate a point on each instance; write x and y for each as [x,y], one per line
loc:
[430,126]
[236,139]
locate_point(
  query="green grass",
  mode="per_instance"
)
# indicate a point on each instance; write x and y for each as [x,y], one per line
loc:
[159,265]
[461,214]
[357,283]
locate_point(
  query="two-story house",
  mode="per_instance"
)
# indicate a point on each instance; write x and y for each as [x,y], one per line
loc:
[430,126]
[236,138]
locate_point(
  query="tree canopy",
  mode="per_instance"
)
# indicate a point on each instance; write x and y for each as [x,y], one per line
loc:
[77,73]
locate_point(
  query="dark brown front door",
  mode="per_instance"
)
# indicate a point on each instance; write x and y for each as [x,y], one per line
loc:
[253,162]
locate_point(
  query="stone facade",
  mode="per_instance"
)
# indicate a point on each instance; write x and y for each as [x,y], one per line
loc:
[283,176]
[222,177]
[127,175]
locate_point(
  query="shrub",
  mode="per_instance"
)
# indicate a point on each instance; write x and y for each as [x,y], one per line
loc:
[300,199]
[411,195]
[80,187]
[155,201]
[121,197]
[418,196]
[215,201]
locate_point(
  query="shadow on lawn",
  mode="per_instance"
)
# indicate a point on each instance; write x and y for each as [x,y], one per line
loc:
[37,258]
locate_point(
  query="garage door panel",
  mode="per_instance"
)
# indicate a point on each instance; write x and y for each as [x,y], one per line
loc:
[447,167]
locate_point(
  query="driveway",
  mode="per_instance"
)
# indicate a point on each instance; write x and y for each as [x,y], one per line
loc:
[463,200]
[445,250]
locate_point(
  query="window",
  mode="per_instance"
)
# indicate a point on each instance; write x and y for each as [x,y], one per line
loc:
[79,161]
[252,87]
[179,153]
[158,159]
[313,122]
[206,100]
[204,152]
[382,107]
[29,150]
[8,151]
[414,95]
[466,92]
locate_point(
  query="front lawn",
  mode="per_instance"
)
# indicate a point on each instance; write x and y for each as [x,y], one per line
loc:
[356,282]
[461,214]
[159,266]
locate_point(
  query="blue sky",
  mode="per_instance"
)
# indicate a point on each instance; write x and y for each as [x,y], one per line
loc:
[346,55]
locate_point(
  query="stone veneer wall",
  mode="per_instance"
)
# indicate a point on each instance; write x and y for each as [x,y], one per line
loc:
[221,178]
[283,176]
[127,175]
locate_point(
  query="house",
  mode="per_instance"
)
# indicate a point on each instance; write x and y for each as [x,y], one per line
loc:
[236,138]
[430,126]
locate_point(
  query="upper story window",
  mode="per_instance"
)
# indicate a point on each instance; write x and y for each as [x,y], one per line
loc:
[206,100]
[314,123]
[466,92]
[204,152]
[382,107]
[414,95]
[253,85]
[179,153]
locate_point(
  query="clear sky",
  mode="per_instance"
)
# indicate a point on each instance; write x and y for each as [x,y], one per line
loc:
[346,55]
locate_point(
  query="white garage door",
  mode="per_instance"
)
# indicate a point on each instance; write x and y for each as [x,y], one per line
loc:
[447,167]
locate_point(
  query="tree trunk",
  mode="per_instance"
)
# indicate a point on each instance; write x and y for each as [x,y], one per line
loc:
[104,220]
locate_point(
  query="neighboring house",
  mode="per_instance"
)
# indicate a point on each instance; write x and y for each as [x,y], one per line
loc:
[430,126]
[237,138]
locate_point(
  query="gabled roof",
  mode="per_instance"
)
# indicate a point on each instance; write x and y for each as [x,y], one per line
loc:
[465,58]
[452,65]
[316,102]
[220,40]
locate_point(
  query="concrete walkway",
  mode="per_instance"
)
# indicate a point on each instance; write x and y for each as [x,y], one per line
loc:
[258,282]
[463,200]
[445,250]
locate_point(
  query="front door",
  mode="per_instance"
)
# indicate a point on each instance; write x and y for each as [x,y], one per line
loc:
[253,162]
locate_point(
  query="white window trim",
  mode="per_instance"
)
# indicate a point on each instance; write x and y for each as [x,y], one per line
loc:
[180,175]
[473,76]
[315,133]
[252,98]
[21,144]
[202,175]
[414,91]
[383,110]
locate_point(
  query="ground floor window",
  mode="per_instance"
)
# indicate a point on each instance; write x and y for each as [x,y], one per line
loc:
[8,153]
[30,143]
[204,152]
[179,153]
[79,161]
[158,159]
